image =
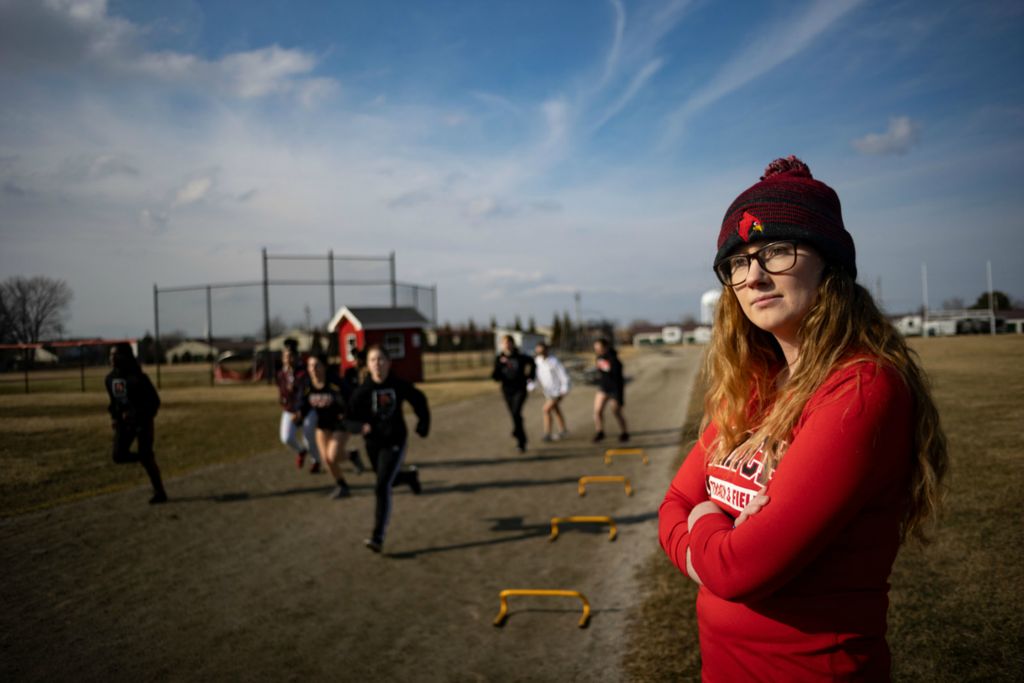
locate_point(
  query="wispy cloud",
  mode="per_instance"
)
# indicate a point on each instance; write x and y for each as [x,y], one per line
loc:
[638,82]
[772,46]
[901,135]
[615,50]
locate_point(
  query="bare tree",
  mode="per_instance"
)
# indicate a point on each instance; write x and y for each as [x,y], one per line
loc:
[33,309]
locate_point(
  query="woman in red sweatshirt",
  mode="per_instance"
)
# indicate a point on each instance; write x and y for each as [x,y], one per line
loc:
[821,450]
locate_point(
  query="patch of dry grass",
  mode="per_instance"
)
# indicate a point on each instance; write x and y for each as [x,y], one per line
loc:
[956,605]
[55,446]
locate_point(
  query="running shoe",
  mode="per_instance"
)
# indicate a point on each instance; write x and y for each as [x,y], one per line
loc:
[521,448]
[598,437]
[373,545]
[624,437]
[414,480]
[357,462]
[300,460]
[340,491]
[315,468]
[548,438]
[563,434]
[158,498]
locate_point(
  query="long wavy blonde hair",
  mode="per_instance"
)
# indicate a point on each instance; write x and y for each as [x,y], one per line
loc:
[843,327]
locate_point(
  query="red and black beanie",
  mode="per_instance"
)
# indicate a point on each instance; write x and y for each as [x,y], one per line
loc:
[789,204]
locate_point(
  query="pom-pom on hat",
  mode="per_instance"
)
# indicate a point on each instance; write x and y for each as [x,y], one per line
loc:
[789,204]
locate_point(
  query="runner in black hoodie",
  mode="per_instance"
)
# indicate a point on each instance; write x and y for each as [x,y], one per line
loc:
[133,405]
[514,370]
[376,413]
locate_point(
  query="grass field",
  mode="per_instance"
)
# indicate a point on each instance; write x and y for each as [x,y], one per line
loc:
[956,604]
[55,445]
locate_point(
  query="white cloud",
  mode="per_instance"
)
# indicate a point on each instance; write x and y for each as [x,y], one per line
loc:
[81,38]
[898,139]
[193,191]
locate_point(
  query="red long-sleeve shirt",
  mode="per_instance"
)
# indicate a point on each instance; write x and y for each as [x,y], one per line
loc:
[800,590]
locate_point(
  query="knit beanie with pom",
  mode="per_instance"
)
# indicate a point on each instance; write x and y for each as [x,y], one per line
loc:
[789,204]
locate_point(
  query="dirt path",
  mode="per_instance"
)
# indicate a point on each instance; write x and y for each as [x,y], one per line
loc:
[252,574]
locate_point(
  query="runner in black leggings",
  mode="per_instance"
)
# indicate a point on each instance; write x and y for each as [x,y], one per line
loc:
[133,405]
[376,413]
[514,370]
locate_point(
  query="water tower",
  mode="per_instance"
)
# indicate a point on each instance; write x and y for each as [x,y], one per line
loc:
[708,301]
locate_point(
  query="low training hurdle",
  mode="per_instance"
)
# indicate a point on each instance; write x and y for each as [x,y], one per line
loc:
[612,452]
[504,595]
[612,530]
[582,487]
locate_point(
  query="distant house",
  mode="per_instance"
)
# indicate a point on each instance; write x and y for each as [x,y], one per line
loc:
[669,334]
[303,341]
[398,330]
[190,351]
[525,341]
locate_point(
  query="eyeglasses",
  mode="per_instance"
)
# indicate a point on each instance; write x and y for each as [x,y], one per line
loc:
[774,258]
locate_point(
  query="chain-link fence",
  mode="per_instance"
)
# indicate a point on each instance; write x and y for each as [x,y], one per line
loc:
[233,323]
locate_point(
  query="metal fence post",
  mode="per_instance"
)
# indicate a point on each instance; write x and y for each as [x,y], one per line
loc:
[156,332]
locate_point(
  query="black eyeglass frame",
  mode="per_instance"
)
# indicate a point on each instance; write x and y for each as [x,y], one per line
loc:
[756,256]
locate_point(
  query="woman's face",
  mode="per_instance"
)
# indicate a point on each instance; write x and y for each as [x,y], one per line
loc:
[779,303]
[316,369]
[378,364]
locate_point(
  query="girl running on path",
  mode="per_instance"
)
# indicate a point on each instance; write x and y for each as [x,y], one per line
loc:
[514,370]
[291,379]
[611,389]
[133,407]
[821,449]
[325,396]
[554,382]
[377,414]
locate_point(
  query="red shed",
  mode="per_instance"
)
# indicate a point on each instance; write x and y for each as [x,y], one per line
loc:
[399,330]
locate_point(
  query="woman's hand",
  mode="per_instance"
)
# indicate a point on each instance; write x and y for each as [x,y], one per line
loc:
[753,507]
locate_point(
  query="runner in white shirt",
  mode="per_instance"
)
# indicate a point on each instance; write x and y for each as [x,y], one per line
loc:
[554,382]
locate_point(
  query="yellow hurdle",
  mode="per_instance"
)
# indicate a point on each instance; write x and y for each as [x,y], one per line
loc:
[582,487]
[504,595]
[612,452]
[612,530]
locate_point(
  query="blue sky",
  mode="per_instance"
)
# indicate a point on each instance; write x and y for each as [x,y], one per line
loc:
[513,153]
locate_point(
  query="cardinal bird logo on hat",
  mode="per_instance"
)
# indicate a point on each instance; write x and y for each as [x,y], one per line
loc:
[749,223]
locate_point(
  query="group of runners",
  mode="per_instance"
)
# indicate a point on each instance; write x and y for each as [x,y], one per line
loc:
[519,374]
[366,400]
[321,409]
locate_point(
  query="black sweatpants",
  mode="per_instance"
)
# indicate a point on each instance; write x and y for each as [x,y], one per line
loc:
[515,400]
[387,463]
[127,432]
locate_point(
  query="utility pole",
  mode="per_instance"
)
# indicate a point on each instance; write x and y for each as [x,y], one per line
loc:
[991,300]
[924,289]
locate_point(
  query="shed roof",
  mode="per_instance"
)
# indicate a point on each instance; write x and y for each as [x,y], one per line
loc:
[381,318]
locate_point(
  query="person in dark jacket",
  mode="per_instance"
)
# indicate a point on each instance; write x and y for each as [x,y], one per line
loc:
[611,389]
[514,370]
[376,413]
[133,406]
[325,396]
